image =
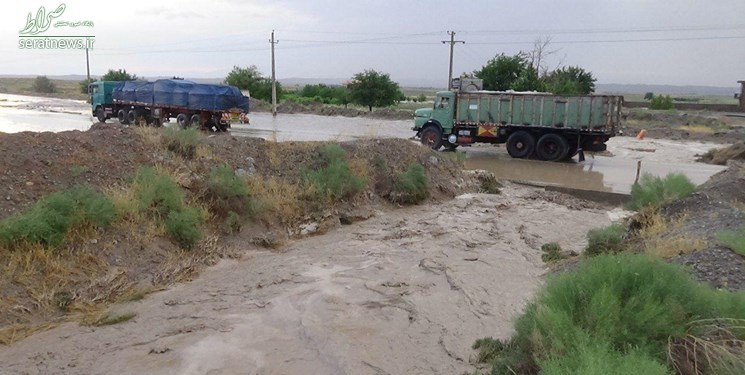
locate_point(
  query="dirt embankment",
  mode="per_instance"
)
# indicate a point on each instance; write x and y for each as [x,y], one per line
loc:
[685,125]
[332,110]
[95,267]
[720,156]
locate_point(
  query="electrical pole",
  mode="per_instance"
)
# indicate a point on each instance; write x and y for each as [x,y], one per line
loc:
[274,78]
[452,42]
[87,67]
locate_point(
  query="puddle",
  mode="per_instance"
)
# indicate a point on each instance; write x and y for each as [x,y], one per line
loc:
[599,173]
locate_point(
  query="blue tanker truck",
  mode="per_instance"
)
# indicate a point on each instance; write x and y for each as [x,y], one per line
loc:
[209,107]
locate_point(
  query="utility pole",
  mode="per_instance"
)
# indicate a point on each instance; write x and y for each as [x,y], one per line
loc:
[274,78]
[87,67]
[452,42]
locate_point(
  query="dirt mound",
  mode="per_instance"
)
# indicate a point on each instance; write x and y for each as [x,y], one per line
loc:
[679,125]
[720,156]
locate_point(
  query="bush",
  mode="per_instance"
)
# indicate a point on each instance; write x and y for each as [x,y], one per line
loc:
[183,142]
[551,252]
[661,102]
[44,85]
[232,223]
[606,240]
[226,190]
[616,315]
[335,180]
[157,194]
[654,191]
[411,187]
[183,226]
[733,240]
[52,217]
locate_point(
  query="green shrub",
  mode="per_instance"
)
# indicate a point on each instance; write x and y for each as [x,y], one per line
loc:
[654,191]
[181,141]
[183,226]
[661,102]
[335,180]
[733,240]
[551,252]
[411,187]
[226,190]
[157,194]
[44,85]
[50,219]
[232,223]
[616,314]
[608,240]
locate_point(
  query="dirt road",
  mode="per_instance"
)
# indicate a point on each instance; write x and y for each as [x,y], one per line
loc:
[406,292]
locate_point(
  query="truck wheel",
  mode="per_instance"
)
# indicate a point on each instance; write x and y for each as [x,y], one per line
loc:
[122,117]
[101,115]
[132,117]
[432,137]
[552,147]
[195,121]
[520,144]
[182,120]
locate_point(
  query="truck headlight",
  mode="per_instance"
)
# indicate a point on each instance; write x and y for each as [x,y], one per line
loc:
[452,138]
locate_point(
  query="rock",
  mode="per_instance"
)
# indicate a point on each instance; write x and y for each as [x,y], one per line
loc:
[94,241]
[433,160]
[240,172]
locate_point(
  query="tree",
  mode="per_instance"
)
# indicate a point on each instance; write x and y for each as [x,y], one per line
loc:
[118,75]
[373,89]
[649,96]
[84,85]
[249,78]
[44,85]
[570,80]
[501,72]
[661,102]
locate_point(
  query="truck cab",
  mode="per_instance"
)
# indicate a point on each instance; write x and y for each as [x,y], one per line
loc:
[432,124]
[100,98]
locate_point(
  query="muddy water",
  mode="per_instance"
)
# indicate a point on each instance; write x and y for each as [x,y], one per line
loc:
[30,113]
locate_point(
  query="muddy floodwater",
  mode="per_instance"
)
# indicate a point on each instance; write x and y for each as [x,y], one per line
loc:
[615,173]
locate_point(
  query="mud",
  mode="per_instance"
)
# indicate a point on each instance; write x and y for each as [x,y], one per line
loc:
[406,292]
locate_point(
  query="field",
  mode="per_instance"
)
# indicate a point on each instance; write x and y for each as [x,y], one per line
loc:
[66,89]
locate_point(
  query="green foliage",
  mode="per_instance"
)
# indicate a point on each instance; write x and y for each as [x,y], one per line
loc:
[373,89]
[84,85]
[421,98]
[183,142]
[488,184]
[608,240]
[51,218]
[411,186]
[338,95]
[735,240]
[649,96]
[157,194]
[183,226]
[118,75]
[551,252]
[43,85]
[232,223]
[501,72]
[77,170]
[335,180]
[654,191]
[570,80]
[613,315]
[661,102]
[227,191]
[249,78]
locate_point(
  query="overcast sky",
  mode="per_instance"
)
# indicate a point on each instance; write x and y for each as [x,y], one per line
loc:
[694,42]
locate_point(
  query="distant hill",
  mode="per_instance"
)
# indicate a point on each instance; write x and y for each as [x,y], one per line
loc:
[616,88]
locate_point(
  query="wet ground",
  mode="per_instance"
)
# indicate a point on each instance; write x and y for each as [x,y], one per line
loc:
[614,173]
[406,292]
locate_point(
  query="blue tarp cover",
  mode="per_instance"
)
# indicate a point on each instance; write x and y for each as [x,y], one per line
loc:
[180,93]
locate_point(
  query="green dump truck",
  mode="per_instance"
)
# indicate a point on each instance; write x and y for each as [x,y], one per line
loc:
[532,125]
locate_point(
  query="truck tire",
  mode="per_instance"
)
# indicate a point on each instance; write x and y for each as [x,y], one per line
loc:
[432,137]
[182,120]
[195,121]
[520,145]
[132,117]
[122,117]
[552,147]
[100,115]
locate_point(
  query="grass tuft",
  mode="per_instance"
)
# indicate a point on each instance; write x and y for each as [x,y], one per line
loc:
[608,240]
[183,226]
[335,180]
[110,319]
[226,191]
[182,142]
[735,240]
[654,191]
[551,252]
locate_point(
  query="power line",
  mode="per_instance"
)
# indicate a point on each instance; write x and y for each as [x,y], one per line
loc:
[452,43]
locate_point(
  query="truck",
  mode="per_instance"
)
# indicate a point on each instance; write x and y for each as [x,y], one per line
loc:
[530,124]
[209,107]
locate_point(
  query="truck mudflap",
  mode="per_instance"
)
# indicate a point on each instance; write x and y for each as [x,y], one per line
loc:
[232,117]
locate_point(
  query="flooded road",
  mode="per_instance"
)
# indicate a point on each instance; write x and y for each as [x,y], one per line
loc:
[614,173]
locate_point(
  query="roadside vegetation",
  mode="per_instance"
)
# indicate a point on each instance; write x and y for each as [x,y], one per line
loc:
[652,191]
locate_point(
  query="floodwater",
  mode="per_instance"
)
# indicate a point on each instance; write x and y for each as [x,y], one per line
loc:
[597,173]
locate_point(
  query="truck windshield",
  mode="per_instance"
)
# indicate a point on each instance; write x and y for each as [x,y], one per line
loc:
[442,103]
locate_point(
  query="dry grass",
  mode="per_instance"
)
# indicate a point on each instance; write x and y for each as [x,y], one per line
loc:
[664,248]
[711,346]
[276,199]
[17,332]
[150,136]
[700,129]
[659,246]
